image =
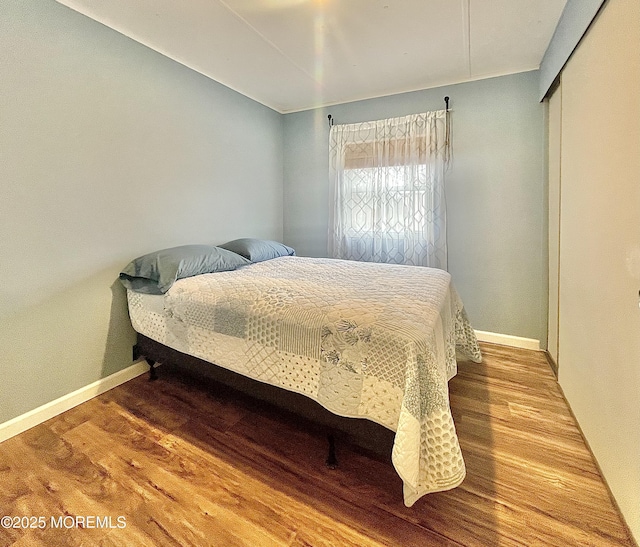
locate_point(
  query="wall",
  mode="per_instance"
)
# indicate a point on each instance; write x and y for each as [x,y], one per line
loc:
[108,150]
[495,193]
[599,319]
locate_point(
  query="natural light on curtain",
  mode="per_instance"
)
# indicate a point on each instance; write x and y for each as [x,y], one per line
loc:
[387,190]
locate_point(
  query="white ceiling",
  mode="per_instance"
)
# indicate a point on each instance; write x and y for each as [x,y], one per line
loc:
[299,54]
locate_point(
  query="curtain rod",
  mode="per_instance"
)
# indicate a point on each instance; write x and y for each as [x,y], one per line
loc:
[446,102]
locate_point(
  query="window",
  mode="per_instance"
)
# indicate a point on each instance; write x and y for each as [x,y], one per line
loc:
[387,190]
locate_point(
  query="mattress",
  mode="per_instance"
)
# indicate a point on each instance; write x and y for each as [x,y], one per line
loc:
[374,341]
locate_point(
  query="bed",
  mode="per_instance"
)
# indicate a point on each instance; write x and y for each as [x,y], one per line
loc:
[374,341]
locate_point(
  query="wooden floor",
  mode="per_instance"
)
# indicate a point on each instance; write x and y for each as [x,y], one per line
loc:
[190,464]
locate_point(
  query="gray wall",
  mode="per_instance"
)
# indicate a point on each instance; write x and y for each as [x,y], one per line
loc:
[495,193]
[108,150]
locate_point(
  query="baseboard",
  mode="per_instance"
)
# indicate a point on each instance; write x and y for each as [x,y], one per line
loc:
[43,413]
[508,340]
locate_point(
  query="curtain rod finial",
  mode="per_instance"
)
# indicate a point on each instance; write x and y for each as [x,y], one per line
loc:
[329,117]
[446,102]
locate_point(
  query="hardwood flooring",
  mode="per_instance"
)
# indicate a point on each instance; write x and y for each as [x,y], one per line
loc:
[186,462]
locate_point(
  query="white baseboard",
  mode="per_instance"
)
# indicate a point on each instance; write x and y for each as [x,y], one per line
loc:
[43,413]
[508,340]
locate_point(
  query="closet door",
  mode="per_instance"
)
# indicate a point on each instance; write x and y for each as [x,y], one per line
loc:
[599,319]
[555,134]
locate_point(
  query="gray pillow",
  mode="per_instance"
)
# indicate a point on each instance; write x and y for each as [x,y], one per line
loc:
[154,273]
[258,250]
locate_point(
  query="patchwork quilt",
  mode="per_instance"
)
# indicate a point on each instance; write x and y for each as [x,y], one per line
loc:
[375,341]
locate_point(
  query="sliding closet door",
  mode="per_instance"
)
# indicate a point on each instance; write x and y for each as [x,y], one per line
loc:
[555,134]
[599,325]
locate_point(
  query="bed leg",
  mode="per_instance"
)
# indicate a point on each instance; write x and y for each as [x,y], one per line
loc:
[153,375]
[332,461]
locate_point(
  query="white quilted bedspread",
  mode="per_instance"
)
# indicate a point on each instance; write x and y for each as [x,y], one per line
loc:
[376,341]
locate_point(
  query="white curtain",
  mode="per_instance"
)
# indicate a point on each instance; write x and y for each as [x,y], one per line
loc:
[387,190]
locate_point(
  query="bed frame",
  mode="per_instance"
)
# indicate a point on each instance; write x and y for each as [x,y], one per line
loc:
[155,352]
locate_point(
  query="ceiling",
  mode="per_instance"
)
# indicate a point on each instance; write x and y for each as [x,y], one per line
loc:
[295,55]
